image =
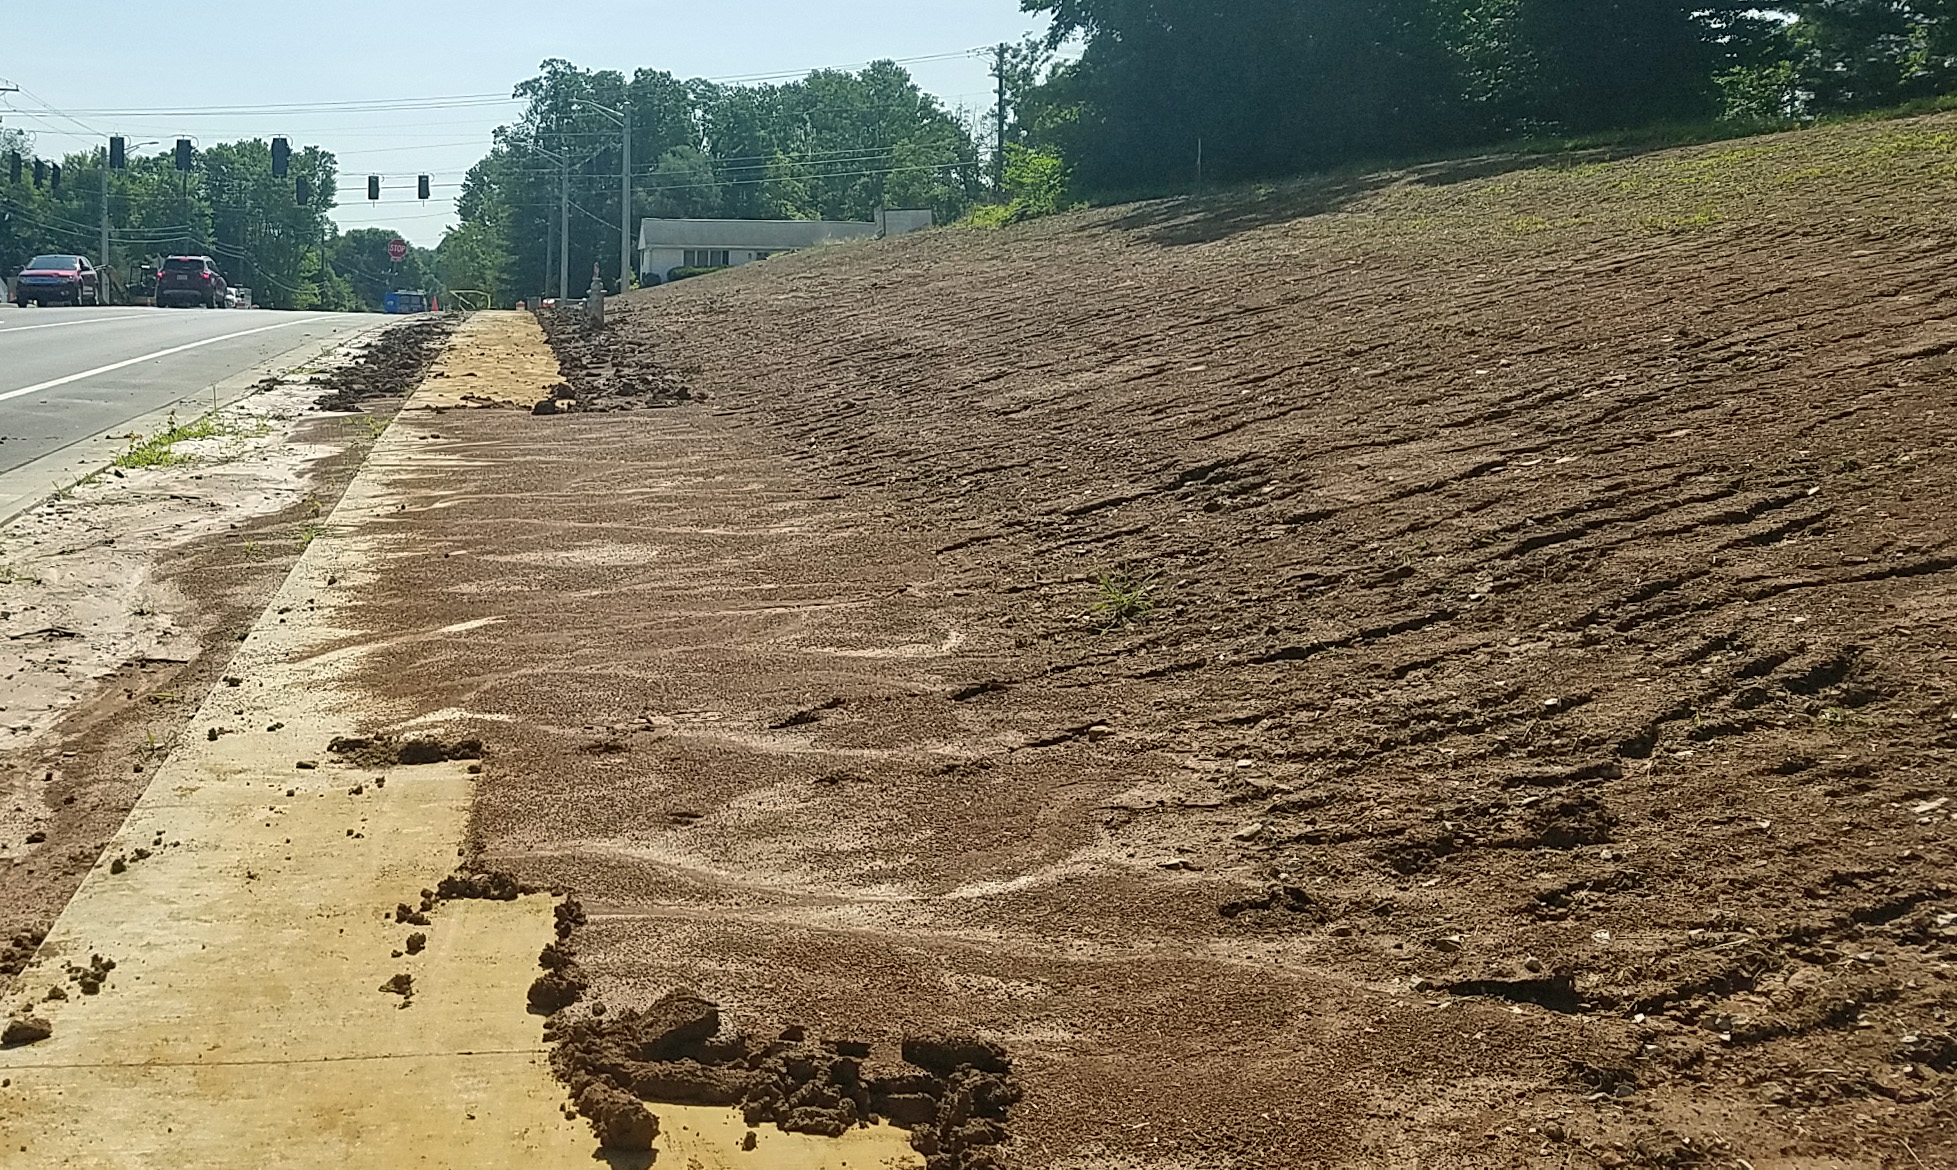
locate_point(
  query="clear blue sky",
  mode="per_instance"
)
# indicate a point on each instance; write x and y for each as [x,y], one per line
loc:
[100,62]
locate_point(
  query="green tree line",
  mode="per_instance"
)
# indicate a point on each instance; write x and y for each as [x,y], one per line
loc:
[833,145]
[229,206]
[1166,90]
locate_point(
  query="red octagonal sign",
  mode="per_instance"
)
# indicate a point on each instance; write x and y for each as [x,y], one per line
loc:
[397,250]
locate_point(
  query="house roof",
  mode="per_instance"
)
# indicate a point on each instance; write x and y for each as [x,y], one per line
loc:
[762,235]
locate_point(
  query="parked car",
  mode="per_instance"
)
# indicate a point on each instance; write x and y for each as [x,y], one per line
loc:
[58,280]
[402,301]
[190,280]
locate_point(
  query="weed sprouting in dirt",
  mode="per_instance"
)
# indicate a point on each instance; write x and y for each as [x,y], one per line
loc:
[10,574]
[1124,599]
[67,491]
[366,427]
[159,450]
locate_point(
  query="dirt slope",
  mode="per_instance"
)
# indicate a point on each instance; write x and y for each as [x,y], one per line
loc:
[1540,749]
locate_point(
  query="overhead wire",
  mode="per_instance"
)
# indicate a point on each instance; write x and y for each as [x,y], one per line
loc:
[451,101]
[725,166]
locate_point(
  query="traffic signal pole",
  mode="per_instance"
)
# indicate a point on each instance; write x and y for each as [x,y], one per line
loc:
[102,257]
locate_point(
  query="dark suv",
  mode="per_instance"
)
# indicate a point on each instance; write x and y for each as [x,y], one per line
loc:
[58,280]
[189,280]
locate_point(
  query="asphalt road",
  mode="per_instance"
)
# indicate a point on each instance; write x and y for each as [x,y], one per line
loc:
[69,374]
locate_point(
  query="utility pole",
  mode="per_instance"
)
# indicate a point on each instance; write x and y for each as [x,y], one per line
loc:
[564,230]
[999,159]
[625,205]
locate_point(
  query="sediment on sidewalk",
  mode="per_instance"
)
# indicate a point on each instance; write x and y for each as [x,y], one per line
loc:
[251,974]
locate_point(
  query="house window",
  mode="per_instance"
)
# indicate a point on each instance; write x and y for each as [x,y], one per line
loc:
[762,255]
[707,258]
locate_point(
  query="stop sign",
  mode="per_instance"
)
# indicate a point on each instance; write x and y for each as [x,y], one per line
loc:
[397,250]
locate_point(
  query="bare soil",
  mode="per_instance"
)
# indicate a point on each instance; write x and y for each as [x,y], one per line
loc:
[1440,668]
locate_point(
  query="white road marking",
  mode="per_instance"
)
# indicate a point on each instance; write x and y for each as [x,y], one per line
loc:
[59,324]
[161,353]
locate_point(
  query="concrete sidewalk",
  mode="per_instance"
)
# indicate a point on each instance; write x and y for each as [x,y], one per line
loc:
[243,1023]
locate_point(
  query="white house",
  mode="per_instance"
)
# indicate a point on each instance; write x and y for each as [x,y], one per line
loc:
[667,244]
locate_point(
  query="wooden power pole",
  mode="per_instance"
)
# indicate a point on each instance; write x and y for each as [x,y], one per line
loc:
[999,157]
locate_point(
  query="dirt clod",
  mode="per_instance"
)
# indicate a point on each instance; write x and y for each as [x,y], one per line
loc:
[389,368]
[493,887]
[25,1030]
[951,1092]
[607,370]
[945,1055]
[383,750]
[90,978]
[553,991]
[618,1118]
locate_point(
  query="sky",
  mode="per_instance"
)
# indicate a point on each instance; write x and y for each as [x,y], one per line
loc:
[350,52]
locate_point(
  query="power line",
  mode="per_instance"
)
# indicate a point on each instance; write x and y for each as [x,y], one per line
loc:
[552,204]
[449,101]
[345,107]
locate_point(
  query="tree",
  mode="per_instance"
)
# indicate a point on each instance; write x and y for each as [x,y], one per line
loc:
[1863,54]
[229,207]
[1242,88]
[836,144]
[471,259]
[360,258]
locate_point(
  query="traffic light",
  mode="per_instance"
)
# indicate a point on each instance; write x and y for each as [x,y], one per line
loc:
[302,190]
[281,157]
[40,172]
[183,154]
[421,187]
[374,188]
[118,153]
[54,178]
[13,168]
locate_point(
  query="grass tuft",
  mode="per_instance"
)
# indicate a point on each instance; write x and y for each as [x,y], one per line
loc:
[159,449]
[1124,600]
